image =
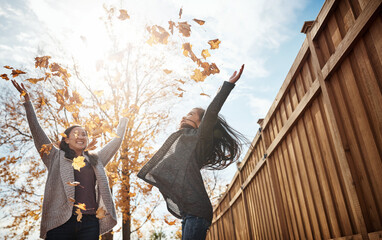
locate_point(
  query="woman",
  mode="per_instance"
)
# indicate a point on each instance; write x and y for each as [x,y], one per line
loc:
[204,140]
[60,219]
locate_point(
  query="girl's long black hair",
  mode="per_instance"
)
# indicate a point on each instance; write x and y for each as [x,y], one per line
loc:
[227,145]
[70,153]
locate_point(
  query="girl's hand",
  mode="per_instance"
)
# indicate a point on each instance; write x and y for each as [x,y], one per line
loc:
[235,77]
[23,91]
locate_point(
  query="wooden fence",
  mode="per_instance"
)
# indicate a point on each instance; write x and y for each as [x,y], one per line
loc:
[314,170]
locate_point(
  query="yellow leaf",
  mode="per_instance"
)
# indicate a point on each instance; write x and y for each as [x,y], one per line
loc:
[100,213]
[45,148]
[98,93]
[198,76]
[79,215]
[123,15]
[78,163]
[63,135]
[81,206]
[72,200]
[214,43]
[200,22]
[113,134]
[205,54]
[167,71]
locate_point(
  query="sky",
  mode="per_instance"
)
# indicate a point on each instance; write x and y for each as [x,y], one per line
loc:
[262,34]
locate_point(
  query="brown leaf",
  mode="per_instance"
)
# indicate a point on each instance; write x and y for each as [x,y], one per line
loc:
[180,13]
[35,80]
[171,26]
[42,62]
[187,48]
[180,80]
[179,89]
[72,200]
[4,76]
[203,94]
[200,22]
[167,71]
[184,28]
[79,215]
[100,213]
[168,221]
[205,53]
[214,43]
[123,15]
[8,67]
[17,72]
[180,95]
[198,76]
[45,148]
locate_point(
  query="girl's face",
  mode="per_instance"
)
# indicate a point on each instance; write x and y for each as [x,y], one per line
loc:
[191,119]
[77,139]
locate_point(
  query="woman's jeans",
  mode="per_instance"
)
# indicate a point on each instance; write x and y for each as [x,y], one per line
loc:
[87,229]
[194,228]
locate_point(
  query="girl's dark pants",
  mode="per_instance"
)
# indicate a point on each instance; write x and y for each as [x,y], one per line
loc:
[194,228]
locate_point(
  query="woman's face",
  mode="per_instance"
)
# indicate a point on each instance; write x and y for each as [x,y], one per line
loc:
[192,119]
[77,139]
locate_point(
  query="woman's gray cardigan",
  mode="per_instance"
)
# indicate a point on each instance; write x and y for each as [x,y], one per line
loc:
[57,208]
[175,168]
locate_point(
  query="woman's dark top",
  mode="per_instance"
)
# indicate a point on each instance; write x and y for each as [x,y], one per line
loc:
[175,168]
[86,191]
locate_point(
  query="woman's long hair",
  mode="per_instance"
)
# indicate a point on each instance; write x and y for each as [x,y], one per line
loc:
[227,145]
[70,153]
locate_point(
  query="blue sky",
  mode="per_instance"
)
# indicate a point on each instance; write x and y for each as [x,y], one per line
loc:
[263,34]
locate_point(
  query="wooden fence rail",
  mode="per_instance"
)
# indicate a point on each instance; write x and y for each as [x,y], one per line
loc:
[314,170]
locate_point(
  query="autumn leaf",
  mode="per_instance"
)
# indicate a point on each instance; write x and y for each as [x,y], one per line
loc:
[198,76]
[98,93]
[35,80]
[72,200]
[42,62]
[187,48]
[180,95]
[45,148]
[123,15]
[167,71]
[131,194]
[17,72]
[100,213]
[200,22]
[79,215]
[8,67]
[73,184]
[184,28]
[168,221]
[158,35]
[63,135]
[180,80]
[203,94]
[171,26]
[180,13]
[214,43]
[113,134]
[4,76]
[78,163]
[205,53]
[179,89]
[81,206]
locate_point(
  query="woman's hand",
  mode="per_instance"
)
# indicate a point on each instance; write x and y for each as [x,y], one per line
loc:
[235,77]
[23,91]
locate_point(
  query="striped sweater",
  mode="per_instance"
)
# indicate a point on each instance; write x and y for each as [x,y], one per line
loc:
[57,208]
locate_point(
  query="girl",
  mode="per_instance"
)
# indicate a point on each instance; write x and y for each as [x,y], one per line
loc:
[59,217]
[204,140]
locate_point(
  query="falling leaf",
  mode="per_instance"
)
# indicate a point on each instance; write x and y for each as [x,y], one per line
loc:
[132,194]
[184,28]
[123,15]
[73,184]
[98,93]
[203,94]
[214,43]
[4,76]
[23,93]
[168,221]
[45,148]
[180,80]
[198,76]
[78,163]
[100,213]
[179,89]
[42,61]
[180,13]
[17,72]
[35,80]
[171,26]
[63,135]
[81,206]
[113,134]
[167,71]
[200,22]
[79,215]
[72,199]
[158,35]
[205,53]
[8,67]
[180,95]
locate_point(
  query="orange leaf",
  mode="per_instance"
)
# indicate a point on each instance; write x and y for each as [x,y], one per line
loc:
[214,43]
[123,15]
[200,22]
[100,213]
[81,206]
[198,76]
[45,148]
[171,26]
[184,28]
[167,71]
[17,72]
[4,76]
[78,163]
[205,53]
[73,184]
[72,200]
[79,215]
[168,221]
[63,135]
[180,80]
[8,67]
[180,95]
[179,89]
[42,62]
[180,13]
[35,80]
[203,94]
